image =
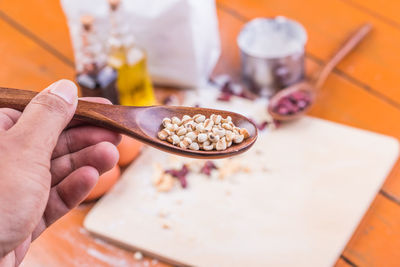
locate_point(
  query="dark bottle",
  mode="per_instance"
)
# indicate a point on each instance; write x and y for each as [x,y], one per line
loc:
[94,77]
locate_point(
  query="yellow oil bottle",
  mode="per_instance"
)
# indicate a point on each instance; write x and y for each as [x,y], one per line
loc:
[133,82]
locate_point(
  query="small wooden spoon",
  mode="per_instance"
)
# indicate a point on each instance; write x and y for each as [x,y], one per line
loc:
[142,123]
[311,87]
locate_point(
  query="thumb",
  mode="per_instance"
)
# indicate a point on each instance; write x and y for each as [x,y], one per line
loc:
[48,113]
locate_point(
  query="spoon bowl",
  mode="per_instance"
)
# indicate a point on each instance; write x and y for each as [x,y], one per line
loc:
[147,116]
[298,87]
[141,123]
[311,87]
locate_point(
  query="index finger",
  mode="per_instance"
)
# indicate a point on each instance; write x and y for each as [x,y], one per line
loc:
[8,117]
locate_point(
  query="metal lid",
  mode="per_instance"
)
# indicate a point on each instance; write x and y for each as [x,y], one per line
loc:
[272,37]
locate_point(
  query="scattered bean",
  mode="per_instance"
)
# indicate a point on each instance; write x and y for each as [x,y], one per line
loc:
[208,167]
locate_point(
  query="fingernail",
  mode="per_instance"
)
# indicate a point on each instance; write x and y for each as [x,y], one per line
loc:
[65,89]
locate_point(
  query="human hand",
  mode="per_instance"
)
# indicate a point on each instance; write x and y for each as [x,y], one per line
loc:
[46,169]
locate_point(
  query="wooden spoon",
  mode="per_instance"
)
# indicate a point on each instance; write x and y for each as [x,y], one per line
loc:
[311,87]
[142,123]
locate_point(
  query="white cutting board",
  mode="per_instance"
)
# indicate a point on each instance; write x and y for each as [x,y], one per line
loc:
[310,183]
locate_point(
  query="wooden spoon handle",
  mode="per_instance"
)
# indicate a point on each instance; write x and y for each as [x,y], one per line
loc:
[93,113]
[15,98]
[349,45]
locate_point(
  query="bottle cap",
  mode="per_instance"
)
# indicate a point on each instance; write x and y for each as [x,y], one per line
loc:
[114,4]
[87,22]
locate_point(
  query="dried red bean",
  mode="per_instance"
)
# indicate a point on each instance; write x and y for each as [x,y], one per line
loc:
[174,173]
[220,80]
[302,104]
[185,170]
[263,125]
[277,123]
[283,110]
[170,100]
[208,167]
[300,95]
[229,89]
[167,100]
[247,94]
[226,97]
[260,126]
[183,181]
[180,174]
[293,103]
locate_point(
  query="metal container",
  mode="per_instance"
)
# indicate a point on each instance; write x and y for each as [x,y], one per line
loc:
[272,54]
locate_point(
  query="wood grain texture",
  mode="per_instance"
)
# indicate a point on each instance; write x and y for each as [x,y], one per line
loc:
[308,218]
[26,65]
[344,262]
[339,100]
[376,241]
[142,123]
[374,64]
[384,10]
[392,184]
[312,86]
[362,92]
[351,102]
[67,244]
[46,25]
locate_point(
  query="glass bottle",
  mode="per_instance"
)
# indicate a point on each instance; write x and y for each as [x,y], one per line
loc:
[94,77]
[133,82]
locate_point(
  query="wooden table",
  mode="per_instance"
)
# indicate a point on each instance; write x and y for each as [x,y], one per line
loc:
[362,92]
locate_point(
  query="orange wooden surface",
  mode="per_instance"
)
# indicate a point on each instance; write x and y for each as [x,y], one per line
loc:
[342,263]
[362,92]
[69,244]
[327,22]
[44,21]
[26,65]
[376,242]
[386,10]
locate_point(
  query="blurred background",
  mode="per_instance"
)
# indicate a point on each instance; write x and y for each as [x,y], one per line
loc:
[183,46]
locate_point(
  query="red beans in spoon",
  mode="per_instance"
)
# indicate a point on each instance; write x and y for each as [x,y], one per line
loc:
[293,103]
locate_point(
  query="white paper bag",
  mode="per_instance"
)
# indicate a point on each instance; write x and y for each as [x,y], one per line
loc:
[180,36]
